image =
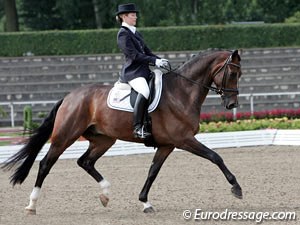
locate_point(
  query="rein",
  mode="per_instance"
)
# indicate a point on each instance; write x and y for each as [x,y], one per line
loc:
[219,91]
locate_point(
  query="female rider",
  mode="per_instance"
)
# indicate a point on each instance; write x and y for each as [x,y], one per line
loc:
[135,70]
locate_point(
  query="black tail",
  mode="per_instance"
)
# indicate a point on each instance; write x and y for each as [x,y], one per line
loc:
[26,156]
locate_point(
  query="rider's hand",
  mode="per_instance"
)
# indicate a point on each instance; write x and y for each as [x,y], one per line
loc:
[161,63]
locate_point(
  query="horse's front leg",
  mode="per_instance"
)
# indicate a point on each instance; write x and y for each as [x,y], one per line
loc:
[195,147]
[160,156]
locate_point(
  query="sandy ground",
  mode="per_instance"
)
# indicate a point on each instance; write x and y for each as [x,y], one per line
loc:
[269,177]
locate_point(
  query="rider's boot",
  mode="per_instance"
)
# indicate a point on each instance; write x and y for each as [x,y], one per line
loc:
[140,106]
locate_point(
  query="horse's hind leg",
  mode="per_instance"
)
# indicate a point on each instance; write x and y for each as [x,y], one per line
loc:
[61,140]
[160,156]
[98,146]
[46,164]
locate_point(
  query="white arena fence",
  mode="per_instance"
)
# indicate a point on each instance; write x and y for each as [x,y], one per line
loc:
[211,140]
[249,97]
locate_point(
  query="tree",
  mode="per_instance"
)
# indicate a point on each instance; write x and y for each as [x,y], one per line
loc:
[239,11]
[40,14]
[92,14]
[97,14]
[58,14]
[11,15]
[294,18]
[275,11]
[104,11]
[75,14]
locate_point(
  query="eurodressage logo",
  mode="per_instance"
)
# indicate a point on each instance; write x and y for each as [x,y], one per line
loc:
[226,215]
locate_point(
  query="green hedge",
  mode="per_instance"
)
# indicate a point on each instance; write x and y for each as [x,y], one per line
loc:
[58,42]
[158,39]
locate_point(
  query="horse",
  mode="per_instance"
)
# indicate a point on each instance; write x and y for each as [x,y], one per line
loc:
[84,112]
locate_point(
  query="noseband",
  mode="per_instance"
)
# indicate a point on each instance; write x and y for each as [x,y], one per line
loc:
[221,91]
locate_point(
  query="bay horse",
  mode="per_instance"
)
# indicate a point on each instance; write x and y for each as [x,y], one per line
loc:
[84,112]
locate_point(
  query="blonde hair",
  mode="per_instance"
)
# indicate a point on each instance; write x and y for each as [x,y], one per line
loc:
[119,17]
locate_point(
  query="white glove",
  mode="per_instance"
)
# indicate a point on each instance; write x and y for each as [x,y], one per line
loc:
[161,63]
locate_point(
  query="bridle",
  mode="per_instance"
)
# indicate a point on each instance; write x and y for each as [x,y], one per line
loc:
[221,91]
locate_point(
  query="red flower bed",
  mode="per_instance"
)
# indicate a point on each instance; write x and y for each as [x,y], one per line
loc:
[267,114]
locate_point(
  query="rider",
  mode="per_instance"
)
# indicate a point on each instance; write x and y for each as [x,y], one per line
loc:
[136,69]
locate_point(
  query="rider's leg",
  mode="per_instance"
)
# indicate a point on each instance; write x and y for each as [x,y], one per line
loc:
[140,85]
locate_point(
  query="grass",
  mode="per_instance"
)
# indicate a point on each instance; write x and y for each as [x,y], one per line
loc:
[5,143]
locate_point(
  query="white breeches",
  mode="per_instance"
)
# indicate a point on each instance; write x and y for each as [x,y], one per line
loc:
[140,85]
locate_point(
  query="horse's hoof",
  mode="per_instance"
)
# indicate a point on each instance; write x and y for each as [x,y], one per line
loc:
[149,210]
[30,211]
[237,192]
[104,200]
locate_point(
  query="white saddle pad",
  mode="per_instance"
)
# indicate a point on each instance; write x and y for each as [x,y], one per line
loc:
[119,96]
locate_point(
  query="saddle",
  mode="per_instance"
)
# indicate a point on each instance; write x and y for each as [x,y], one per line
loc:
[122,97]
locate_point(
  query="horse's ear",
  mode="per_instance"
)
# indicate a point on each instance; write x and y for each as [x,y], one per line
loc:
[235,54]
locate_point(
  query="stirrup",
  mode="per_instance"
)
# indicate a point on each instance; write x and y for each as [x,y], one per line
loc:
[141,133]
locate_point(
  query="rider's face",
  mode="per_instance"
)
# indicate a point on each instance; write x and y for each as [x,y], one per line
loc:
[130,18]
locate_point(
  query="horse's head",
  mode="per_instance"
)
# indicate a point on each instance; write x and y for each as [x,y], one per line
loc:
[226,79]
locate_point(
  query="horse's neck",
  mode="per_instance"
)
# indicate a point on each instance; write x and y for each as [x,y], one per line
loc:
[196,72]
[190,95]
[199,76]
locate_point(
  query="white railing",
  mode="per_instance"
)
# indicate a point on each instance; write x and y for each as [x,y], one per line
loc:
[234,111]
[212,140]
[12,104]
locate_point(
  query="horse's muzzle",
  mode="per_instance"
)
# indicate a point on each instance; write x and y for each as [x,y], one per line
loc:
[230,102]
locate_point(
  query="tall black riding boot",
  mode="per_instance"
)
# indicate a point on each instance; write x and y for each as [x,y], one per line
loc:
[138,117]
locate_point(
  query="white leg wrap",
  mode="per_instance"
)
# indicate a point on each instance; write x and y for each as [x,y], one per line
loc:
[35,194]
[104,184]
[147,205]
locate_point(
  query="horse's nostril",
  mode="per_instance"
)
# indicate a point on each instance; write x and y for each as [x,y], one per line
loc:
[232,105]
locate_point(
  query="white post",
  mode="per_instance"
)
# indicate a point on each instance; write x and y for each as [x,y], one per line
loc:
[251,104]
[12,114]
[234,113]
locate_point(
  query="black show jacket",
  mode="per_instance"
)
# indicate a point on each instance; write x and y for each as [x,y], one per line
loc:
[138,56]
